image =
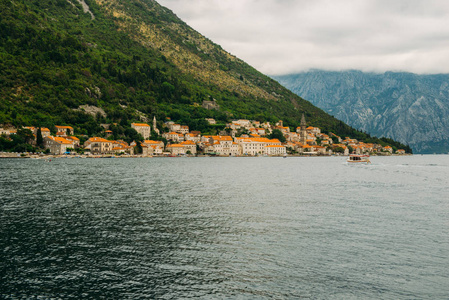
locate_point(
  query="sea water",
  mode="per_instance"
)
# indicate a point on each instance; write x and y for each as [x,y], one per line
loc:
[225,228]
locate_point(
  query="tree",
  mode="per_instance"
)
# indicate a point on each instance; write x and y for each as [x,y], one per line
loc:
[154,136]
[339,150]
[132,135]
[138,148]
[39,139]
[351,150]
[277,134]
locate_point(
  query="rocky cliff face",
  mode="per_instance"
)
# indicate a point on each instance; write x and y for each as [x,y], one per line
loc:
[410,108]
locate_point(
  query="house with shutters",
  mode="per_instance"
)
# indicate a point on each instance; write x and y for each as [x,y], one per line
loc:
[98,145]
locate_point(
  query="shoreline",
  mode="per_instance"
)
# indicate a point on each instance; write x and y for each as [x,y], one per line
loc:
[6,155]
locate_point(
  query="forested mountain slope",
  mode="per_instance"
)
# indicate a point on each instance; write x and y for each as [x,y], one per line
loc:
[134,59]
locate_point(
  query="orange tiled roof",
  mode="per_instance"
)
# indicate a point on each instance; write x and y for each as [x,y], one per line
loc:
[60,140]
[219,137]
[140,124]
[99,140]
[258,140]
[152,142]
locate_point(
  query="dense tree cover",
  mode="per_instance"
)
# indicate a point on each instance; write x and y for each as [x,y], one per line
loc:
[277,134]
[55,58]
[19,142]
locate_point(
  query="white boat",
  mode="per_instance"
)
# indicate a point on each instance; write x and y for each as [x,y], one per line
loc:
[354,158]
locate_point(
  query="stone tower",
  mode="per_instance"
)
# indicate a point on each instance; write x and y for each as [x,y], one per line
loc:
[303,130]
[154,125]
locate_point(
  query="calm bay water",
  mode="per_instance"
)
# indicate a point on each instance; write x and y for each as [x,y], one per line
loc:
[225,228]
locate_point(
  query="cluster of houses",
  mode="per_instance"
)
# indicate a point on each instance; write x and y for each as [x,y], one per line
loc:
[240,138]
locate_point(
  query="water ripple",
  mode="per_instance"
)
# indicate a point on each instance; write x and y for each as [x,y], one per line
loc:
[221,228]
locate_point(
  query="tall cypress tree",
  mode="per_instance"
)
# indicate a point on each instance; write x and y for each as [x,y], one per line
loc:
[39,139]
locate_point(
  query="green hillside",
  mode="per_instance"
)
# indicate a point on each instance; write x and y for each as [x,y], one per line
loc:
[134,59]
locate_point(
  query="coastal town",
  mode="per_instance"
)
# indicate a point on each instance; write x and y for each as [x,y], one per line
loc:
[239,138]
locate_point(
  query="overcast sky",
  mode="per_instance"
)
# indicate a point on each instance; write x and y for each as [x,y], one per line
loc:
[287,36]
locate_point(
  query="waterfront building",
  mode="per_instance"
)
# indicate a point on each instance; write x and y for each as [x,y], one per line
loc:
[125,149]
[388,149]
[57,145]
[255,146]
[189,146]
[222,145]
[176,149]
[75,140]
[320,150]
[159,144]
[98,145]
[275,150]
[154,147]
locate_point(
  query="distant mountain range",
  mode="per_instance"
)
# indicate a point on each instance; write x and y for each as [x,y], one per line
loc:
[410,108]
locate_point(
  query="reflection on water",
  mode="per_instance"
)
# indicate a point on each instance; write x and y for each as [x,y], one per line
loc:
[224,228]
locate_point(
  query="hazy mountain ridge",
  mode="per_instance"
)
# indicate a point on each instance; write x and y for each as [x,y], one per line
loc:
[410,108]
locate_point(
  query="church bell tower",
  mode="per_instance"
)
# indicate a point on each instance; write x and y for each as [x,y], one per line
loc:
[303,130]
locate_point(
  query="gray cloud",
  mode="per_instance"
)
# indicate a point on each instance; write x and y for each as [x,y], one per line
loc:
[287,36]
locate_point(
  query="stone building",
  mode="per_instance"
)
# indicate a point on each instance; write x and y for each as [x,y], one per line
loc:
[143,129]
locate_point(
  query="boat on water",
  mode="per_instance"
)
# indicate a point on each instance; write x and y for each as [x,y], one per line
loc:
[354,158]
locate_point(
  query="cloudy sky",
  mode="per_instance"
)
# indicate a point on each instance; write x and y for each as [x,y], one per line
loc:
[287,36]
